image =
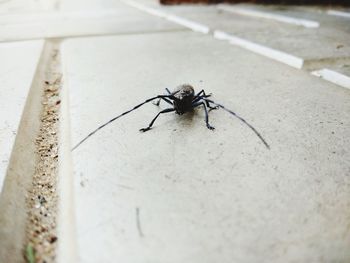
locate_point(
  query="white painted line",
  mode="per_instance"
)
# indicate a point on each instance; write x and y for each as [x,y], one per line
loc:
[333,76]
[188,23]
[267,15]
[197,27]
[274,54]
[277,55]
[145,9]
[338,13]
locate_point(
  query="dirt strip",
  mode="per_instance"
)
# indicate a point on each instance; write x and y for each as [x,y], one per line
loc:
[41,237]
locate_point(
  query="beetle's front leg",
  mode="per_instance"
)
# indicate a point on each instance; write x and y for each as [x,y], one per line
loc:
[195,101]
[154,119]
[212,108]
[166,100]
[206,113]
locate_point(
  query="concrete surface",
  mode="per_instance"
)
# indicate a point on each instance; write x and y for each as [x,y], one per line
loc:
[270,15]
[118,19]
[15,80]
[342,69]
[22,161]
[26,6]
[317,46]
[182,193]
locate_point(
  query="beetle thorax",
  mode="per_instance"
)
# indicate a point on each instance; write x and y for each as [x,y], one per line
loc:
[184,95]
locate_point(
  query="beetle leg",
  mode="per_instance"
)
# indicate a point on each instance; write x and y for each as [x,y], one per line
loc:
[166,100]
[195,100]
[198,97]
[212,108]
[156,103]
[199,94]
[206,113]
[154,119]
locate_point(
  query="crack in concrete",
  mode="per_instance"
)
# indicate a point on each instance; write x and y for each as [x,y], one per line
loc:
[138,222]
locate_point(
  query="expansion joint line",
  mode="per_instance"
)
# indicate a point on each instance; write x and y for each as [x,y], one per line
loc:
[42,198]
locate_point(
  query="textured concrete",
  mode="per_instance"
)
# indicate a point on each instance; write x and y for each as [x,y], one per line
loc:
[343,69]
[27,6]
[317,46]
[182,193]
[101,20]
[19,62]
[22,163]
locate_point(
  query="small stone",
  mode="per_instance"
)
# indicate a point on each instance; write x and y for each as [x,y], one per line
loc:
[53,239]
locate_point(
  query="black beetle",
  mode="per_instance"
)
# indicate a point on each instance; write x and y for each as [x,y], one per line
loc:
[182,100]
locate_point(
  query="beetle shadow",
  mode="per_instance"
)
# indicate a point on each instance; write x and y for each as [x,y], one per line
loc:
[188,119]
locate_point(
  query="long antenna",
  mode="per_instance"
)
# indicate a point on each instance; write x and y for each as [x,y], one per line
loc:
[117,117]
[243,120]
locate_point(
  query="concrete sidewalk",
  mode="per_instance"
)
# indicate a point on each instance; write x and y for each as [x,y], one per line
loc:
[196,190]
[180,192]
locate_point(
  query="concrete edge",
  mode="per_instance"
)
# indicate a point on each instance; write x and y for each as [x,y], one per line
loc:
[18,180]
[66,227]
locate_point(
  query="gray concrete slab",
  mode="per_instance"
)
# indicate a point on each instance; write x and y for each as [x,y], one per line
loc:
[76,5]
[26,6]
[182,193]
[17,66]
[317,13]
[317,46]
[93,19]
[343,69]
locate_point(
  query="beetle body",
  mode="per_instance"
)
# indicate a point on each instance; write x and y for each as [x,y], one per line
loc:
[183,98]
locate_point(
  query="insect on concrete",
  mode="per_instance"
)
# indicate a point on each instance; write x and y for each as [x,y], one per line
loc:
[183,99]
